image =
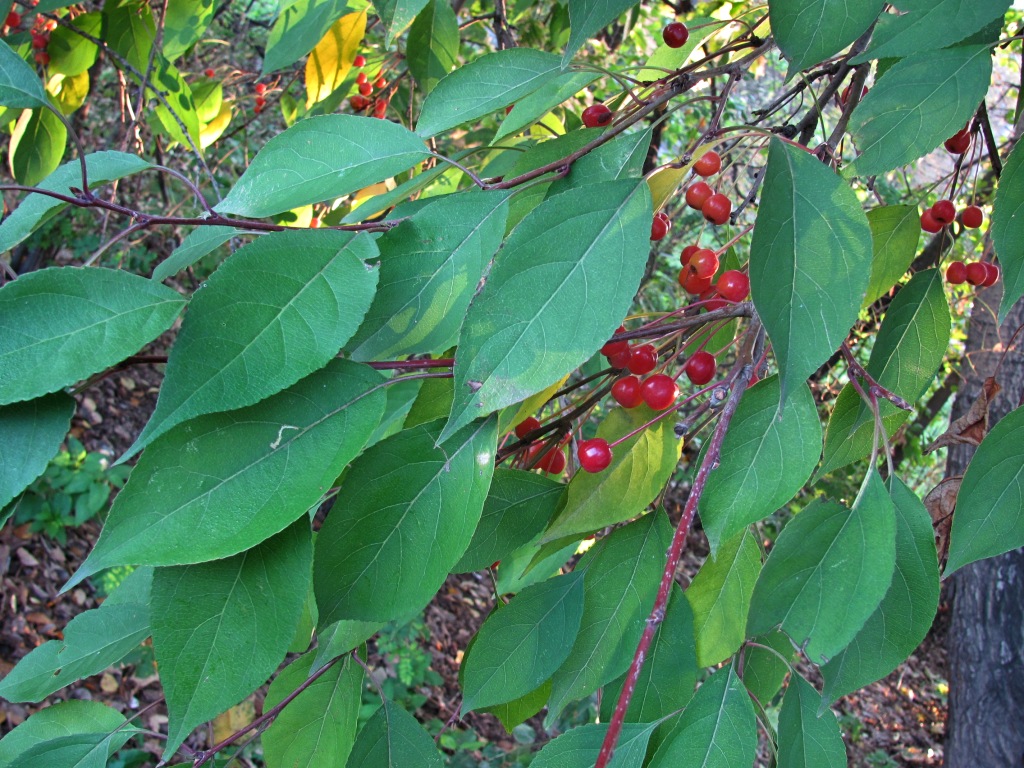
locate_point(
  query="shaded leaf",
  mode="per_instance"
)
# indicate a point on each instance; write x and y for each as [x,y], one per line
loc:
[20,87]
[393,739]
[432,49]
[37,145]
[200,242]
[895,231]
[65,718]
[32,432]
[71,53]
[807,740]
[587,18]
[810,31]
[579,747]
[341,637]
[296,31]
[185,21]
[1008,229]
[396,15]
[763,670]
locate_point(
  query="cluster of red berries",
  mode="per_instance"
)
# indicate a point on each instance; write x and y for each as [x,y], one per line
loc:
[978,273]
[714,206]
[362,101]
[41,38]
[553,459]
[699,266]
[261,98]
[944,212]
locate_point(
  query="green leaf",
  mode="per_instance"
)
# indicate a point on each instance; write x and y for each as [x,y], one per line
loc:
[516,339]
[483,86]
[393,739]
[318,728]
[639,470]
[526,566]
[905,615]
[93,641]
[396,15]
[70,53]
[518,506]
[402,393]
[805,739]
[198,243]
[523,643]
[622,577]
[767,457]
[61,324]
[579,747]
[280,308]
[720,598]
[810,31]
[989,516]
[372,562]
[828,572]
[242,476]
[298,29]
[37,209]
[66,718]
[431,264]
[432,49]
[666,58]
[512,713]
[717,730]
[221,628]
[927,26]
[587,18]
[37,145]
[540,154]
[322,158]
[341,637]
[621,158]
[669,674]
[184,24]
[810,258]
[764,671]
[1007,229]
[20,87]
[923,99]
[907,352]
[531,108]
[33,431]
[895,231]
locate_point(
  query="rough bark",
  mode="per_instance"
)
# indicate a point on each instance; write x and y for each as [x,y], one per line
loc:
[986,638]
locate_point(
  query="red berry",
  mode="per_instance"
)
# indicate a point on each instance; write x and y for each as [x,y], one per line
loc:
[659,391]
[700,369]
[209,73]
[258,108]
[315,223]
[708,164]
[687,254]
[359,61]
[380,83]
[380,108]
[944,212]
[675,35]
[992,276]
[977,273]
[959,142]
[552,462]
[361,78]
[844,98]
[660,226]
[13,19]
[260,102]
[698,194]
[733,285]
[704,263]
[526,426]
[261,88]
[365,89]
[711,300]
[597,116]
[642,359]
[928,222]
[594,455]
[717,208]
[956,273]
[692,283]
[621,359]
[626,392]
[359,103]
[42,58]
[972,217]
[39,42]
[614,347]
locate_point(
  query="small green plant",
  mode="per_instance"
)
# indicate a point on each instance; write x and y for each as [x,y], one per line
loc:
[73,489]
[879,759]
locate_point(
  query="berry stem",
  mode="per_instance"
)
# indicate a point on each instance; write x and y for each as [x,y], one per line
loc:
[874,388]
[675,551]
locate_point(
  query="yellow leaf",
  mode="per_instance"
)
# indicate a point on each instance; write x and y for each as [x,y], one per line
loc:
[332,58]
[529,406]
[236,718]
[212,130]
[69,92]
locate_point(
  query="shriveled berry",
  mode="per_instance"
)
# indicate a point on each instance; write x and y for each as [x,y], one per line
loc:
[956,273]
[704,263]
[626,392]
[708,164]
[675,34]
[929,223]
[594,455]
[700,368]
[597,116]
[660,226]
[977,273]
[359,103]
[972,217]
[733,285]
[659,391]
[717,208]
[642,359]
[697,194]
[553,462]
[526,426]
[844,97]
[944,212]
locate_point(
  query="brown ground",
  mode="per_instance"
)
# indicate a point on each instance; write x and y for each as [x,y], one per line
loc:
[898,721]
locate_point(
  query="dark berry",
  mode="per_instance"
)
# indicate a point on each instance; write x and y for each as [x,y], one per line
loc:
[675,35]
[700,369]
[959,142]
[614,347]
[597,116]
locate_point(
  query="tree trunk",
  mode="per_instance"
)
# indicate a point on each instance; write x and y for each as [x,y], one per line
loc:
[986,636]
